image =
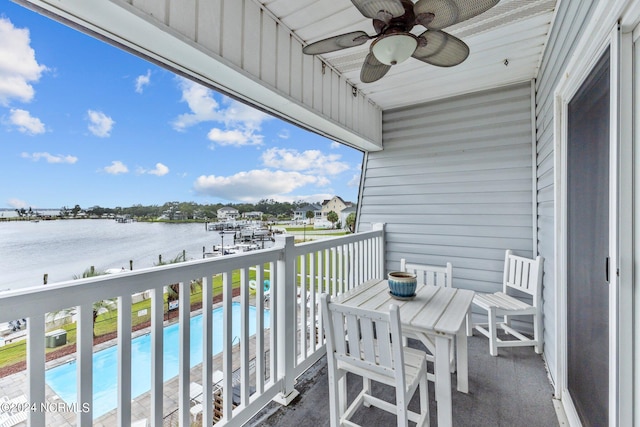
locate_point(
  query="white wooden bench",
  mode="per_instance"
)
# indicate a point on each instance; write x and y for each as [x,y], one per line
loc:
[523,275]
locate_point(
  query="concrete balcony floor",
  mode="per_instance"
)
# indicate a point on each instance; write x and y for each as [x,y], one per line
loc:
[510,390]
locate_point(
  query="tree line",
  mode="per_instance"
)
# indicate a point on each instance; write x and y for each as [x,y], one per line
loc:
[187,210]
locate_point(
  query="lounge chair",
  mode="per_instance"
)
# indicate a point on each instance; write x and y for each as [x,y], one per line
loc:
[10,419]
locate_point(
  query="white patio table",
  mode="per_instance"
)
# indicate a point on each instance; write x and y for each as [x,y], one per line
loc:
[436,314]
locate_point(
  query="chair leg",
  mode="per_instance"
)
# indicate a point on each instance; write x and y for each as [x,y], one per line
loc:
[537,333]
[401,408]
[342,394]
[366,387]
[424,398]
[334,400]
[493,331]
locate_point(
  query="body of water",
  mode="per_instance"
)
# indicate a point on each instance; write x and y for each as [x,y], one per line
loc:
[66,248]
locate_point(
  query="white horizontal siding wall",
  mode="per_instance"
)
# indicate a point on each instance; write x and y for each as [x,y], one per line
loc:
[570,20]
[454,183]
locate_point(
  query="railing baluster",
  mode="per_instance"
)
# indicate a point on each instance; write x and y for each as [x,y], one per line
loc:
[320,271]
[157,345]
[35,368]
[227,352]
[124,359]
[184,369]
[207,350]
[84,351]
[304,321]
[260,365]
[273,335]
[244,334]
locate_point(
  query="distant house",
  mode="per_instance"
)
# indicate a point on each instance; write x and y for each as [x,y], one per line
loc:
[336,204]
[227,213]
[300,214]
[345,213]
[253,215]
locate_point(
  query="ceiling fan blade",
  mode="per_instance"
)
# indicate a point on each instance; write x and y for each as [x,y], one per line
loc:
[370,8]
[334,43]
[449,12]
[372,69]
[441,49]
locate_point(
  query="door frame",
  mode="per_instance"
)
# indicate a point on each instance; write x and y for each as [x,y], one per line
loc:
[577,72]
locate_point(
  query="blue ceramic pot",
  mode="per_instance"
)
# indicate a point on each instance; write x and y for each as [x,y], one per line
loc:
[402,284]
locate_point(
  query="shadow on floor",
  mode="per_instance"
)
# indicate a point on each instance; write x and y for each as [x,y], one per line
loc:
[510,390]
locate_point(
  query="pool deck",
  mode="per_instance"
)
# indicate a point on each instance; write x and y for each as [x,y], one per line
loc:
[16,384]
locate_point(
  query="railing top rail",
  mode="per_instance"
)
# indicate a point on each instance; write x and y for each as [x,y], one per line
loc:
[40,299]
[53,297]
[316,245]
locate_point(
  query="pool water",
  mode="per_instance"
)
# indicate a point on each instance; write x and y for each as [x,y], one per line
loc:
[62,379]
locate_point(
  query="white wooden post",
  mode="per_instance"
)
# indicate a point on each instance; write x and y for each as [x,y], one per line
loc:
[157,362]
[286,319]
[35,367]
[84,367]
[184,366]
[381,253]
[207,350]
[124,359]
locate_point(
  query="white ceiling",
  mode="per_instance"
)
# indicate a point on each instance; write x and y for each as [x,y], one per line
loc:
[506,44]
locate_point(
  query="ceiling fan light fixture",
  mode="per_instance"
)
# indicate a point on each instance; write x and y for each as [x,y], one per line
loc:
[394,48]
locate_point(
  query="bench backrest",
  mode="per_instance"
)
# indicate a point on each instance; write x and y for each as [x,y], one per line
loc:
[523,274]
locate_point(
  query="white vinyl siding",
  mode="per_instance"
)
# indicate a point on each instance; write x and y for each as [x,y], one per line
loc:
[568,26]
[453,184]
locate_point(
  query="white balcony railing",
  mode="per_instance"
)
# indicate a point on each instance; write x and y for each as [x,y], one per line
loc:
[267,362]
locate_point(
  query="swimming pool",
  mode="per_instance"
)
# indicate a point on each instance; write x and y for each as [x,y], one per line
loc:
[62,379]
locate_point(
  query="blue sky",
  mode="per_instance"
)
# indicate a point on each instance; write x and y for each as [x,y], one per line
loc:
[82,122]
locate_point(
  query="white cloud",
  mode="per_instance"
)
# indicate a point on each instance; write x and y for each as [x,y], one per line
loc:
[17,203]
[50,158]
[200,100]
[253,185]
[100,124]
[235,137]
[18,65]
[284,134]
[160,170]
[142,81]
[25,122]
[236,113]
[354,181]
[334,145]
[242,123]
[116,168]
[310,160]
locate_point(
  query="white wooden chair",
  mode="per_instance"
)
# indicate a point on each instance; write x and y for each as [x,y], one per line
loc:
[525,276]
[368,343]
[433,275]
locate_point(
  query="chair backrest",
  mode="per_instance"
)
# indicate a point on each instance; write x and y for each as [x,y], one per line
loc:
[523,274]
[429,274]
[366,342]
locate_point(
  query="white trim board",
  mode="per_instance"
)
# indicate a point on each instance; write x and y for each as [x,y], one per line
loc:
[590,49]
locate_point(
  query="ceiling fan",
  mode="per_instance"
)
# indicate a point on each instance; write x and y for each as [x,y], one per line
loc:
[394,43]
